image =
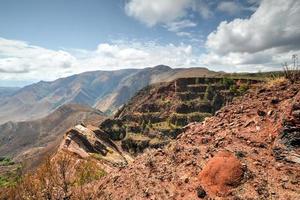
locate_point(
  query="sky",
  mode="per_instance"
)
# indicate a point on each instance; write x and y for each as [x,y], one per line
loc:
[49,39]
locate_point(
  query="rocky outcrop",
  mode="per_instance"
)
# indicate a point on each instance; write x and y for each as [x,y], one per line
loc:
[92,142]
[287,145]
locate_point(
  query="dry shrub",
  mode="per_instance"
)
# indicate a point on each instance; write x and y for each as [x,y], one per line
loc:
[50,181]
[87,172]
[62,177]
[292,72]
[275,81]
[221,173]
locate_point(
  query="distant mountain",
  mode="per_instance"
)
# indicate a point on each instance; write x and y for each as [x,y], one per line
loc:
[129,86]
[105,90]
[31,140]
[7,91]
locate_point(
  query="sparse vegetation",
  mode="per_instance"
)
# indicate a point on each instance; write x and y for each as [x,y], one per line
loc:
[227,82]
[88,172]
[209,93]
[274,81]
[5,161]
[10,179]
[243,88]
[292,72]
[55,179]
[233,89]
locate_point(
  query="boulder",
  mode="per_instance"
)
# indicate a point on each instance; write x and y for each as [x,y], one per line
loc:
[222,172]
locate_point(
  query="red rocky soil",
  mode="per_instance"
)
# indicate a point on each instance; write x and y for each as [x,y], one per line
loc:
[248,150]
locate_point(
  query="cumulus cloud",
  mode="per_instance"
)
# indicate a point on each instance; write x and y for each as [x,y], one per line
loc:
[266,39]
[18,58]
[139,55]
[275,24]
[22,61]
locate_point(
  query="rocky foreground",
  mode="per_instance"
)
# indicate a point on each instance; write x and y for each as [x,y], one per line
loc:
[248,150]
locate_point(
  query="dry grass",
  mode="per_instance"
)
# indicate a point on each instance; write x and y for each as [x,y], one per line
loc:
[275,81]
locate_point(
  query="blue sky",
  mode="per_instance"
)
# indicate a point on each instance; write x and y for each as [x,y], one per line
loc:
[48,39]
[84,24]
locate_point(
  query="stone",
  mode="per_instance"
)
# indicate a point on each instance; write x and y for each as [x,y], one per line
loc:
[275,101]
[270,112]
[222,172]
[261,113]
[296,114]
[200,192]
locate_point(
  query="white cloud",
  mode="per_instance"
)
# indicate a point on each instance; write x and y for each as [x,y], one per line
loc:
[274,24]
[166,11]
[184,34]
[203,8]
[266,39]
[22,61]
[177,26]
[138,55]
[230,7]
[157,11]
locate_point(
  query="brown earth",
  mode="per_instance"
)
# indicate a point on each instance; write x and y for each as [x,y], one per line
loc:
[261,129]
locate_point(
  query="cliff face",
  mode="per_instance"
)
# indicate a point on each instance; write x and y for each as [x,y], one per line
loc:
[91,142]
[248,150]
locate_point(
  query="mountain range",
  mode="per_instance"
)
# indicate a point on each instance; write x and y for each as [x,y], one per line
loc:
[103,90]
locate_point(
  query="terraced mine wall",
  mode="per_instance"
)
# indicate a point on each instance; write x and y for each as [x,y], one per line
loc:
[157,113]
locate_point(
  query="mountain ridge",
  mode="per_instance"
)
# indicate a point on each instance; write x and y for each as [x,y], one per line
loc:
[31,140]
[104,90]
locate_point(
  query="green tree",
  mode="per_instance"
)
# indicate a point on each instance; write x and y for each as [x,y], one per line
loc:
[233,89]
[217,102]
[209,93]
[228,82]
[243,88]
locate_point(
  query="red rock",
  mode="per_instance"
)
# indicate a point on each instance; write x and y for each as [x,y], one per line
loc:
[221,173]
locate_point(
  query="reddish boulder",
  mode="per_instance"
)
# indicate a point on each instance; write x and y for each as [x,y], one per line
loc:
[222,172]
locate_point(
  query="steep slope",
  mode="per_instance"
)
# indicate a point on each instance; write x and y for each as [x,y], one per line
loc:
[248,150]
[105,90]
[31,140]
[158,112]
[145,77]
[86,154]
[38,100]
